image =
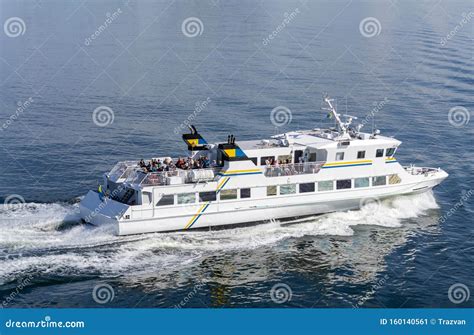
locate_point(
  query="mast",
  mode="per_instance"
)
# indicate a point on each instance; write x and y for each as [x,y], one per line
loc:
[334,113]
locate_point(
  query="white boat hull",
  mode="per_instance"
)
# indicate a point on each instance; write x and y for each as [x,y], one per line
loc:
[130,221]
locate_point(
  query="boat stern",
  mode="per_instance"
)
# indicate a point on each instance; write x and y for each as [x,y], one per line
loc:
[98,211]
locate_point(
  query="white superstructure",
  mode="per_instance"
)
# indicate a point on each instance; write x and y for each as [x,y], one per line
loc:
[293,174]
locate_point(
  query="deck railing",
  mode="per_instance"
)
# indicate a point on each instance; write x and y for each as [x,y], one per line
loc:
[176,176]
[415,170]
[121,170]
[293,169]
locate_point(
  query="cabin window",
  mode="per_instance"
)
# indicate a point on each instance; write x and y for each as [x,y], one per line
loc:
[254,160]
[312,157]
[245,193]
[326,185]
[207,196]
[390,152]
[186,198]
[343,184]
[271,190]
[146,198]
[306,187]
[360,154]
[361,182]
[284,159]
[228,194]
[287,189]
[267,160]
[166,200]
[394,179]
[379,153]
[339,156]
[379,181]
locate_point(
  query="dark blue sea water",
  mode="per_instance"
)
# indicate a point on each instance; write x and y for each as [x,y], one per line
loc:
[410,70]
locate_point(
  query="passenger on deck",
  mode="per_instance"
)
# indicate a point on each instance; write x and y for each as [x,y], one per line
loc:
[180,163]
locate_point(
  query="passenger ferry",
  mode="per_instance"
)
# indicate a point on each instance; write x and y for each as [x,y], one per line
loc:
[294,174]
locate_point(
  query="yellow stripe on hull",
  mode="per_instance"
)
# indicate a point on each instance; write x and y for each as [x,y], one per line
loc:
[190,222]
[346,163]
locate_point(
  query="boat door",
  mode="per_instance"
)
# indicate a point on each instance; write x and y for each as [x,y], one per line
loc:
[298,154]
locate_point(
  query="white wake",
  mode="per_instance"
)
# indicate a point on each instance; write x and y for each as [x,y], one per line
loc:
[37,238]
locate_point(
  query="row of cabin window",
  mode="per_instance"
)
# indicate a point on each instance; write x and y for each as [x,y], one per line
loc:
[190,198]
[339,156]
[361,154]
[327,185]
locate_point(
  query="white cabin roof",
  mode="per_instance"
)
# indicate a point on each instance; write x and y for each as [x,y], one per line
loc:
[316,138]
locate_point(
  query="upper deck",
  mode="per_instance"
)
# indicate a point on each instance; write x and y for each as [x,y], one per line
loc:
[130,173]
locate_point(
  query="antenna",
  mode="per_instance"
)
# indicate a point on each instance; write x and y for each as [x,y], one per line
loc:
[334,113]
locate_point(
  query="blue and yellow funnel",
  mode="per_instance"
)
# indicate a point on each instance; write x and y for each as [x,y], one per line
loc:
[194,140]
